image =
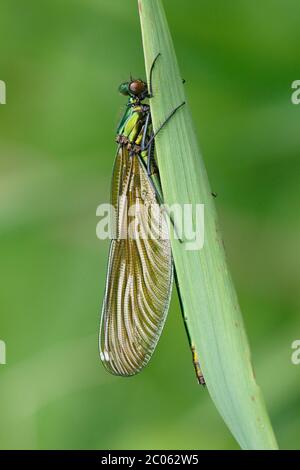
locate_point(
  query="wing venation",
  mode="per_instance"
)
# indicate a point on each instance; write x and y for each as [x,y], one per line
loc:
[140,272]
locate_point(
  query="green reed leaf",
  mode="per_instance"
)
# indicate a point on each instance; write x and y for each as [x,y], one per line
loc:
[210,302]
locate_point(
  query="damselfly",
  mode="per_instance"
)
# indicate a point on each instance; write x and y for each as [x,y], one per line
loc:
[140,268]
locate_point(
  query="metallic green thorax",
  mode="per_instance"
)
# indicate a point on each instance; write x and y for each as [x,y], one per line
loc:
[132,120]
[131,127]
[132,124]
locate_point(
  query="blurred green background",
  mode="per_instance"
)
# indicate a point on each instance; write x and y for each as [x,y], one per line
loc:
[62,63]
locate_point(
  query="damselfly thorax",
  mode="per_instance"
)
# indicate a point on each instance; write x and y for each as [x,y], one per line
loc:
[136,129]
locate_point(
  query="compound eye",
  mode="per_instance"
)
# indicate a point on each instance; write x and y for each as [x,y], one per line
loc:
[137,87]
[124,88]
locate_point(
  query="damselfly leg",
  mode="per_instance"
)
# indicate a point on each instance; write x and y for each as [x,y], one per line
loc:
[151,75]
[154,135]
[149,147]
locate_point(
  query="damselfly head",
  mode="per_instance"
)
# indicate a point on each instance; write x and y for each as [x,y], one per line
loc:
[134,88]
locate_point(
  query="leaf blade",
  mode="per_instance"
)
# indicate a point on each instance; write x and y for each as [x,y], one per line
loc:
[213,314]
